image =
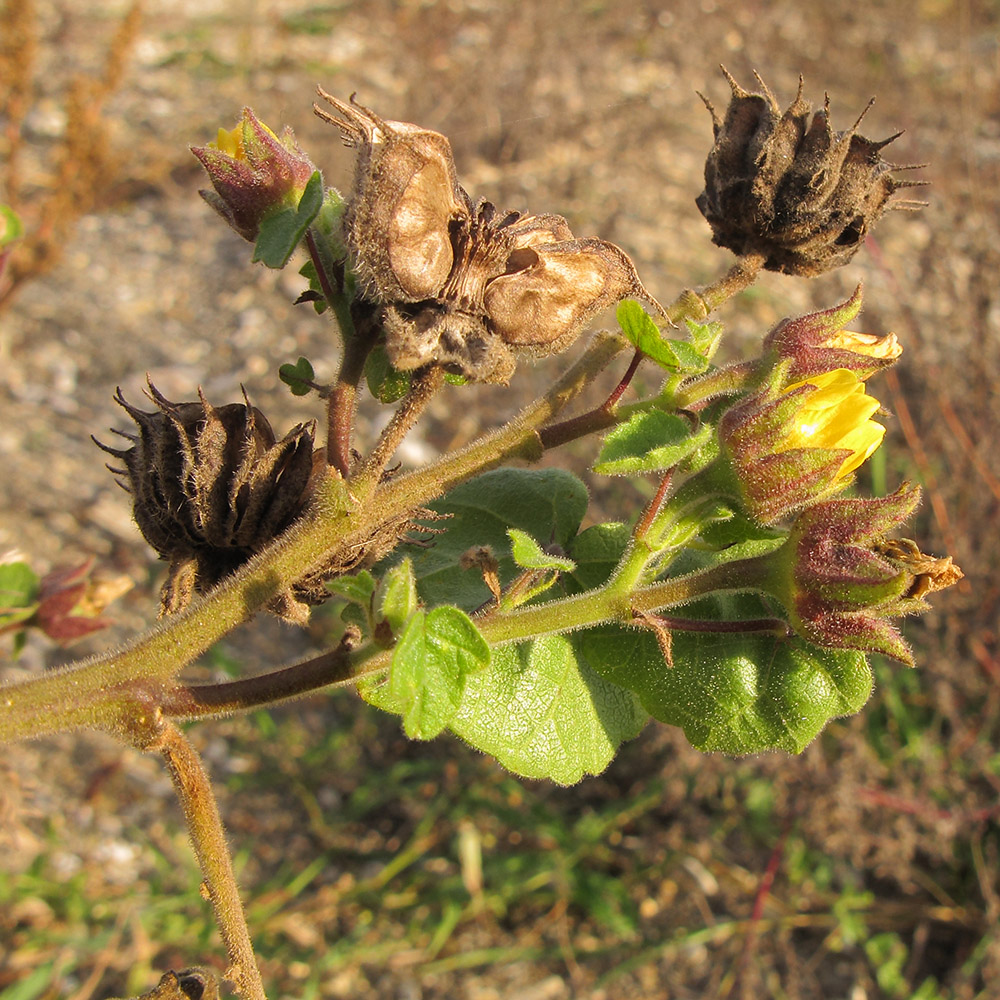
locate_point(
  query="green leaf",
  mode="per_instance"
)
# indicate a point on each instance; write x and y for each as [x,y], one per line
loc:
[11,227]
[430,665]
[18,593]
[396,595]
[528,554]
[738,693]
[596,552]
[673,355]
[649,441]
[705,337]
[542,712]
[544,503]
[384,382]
[298,377]
[280,232]
[315,294]
[358,589]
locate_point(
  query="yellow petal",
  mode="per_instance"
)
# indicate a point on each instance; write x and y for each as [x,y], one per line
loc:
[230,142]
[836,414]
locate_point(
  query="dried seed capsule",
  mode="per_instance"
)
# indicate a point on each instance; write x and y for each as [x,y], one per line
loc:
[211,487]
[462,285]
[792,189]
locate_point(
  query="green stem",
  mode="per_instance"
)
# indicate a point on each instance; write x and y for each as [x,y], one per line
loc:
[723,381]
[688,305]
[704,488]
[201,811]
[343,665]
[616,604]
[697,305]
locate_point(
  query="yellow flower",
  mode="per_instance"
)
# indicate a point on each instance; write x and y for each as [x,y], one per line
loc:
[835,415]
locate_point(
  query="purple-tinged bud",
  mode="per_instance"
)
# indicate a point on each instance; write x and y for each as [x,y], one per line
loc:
[839,578]
[254,173]
[818,343]
[71,601]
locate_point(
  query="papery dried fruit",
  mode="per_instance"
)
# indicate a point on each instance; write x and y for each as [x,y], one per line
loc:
[211,487]
[792,189]
[458,284]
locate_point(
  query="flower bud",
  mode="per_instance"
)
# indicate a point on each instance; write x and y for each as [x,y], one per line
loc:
[71,601]
[254,173]
[792,189]
[839,578]
[211,487]
[819,343]
[792,447]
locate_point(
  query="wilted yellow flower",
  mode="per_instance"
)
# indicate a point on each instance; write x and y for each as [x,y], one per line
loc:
[886,348]
[835,415]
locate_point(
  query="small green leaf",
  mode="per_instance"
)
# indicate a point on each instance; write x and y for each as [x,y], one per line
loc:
[315,294]
[384,382]
[298,377]
[544,503]
[597,551]
[280,232]
[528,554]
[430,665]
[649,442]
[396,595]
[452,379]
[18,599]
[358,589]
[705,337]
[542,712]
[673,355]
[11,227]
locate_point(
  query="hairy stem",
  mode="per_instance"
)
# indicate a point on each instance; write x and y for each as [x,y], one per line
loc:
[343,665]
[425,386]
[697,305]
[209,841]
[342,404]
[610,604]
[202,701]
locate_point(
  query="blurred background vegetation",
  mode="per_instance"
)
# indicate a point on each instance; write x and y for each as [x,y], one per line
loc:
[866,868]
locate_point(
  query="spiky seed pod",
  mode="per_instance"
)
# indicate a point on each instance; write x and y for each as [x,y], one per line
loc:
[790,188]
[211,486]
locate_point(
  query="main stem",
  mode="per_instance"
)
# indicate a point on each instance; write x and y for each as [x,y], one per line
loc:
[209,841]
